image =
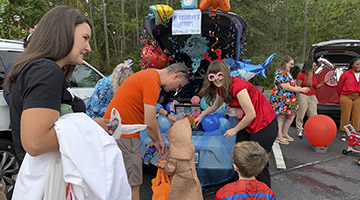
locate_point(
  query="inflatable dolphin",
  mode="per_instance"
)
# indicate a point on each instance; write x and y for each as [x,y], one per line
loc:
[244,70]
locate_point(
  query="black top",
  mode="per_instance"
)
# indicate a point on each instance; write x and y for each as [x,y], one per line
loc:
[41,84]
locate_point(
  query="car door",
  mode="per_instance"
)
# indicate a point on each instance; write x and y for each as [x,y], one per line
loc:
[6,57]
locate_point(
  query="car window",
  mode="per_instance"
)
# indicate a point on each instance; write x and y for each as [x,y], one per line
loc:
[338,58]
[6,57]
[84,76]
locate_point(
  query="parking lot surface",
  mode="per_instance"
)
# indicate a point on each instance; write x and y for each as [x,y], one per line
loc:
[308,174]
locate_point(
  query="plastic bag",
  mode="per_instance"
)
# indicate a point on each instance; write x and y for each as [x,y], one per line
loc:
[160,185]
[116,129]
[55,186]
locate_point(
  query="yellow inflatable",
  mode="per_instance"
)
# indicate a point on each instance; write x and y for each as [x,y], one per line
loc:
[162,13]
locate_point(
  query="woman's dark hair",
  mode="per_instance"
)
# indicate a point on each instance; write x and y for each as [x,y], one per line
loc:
[53,39]
[352,62]
[209,89]
[308,71]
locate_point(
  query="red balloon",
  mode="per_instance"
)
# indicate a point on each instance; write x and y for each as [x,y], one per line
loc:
[320,130]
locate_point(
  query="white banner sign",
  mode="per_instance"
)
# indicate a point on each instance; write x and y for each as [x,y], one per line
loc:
[186,22]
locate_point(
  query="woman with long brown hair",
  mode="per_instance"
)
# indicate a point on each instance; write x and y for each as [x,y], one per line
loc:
[307,102]
[38,80]
[258,123]
[38,86]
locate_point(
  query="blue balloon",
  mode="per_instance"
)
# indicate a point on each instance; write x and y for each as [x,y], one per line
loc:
[210,123]
[220,115]
[164,123]
[224,124]
[168,107]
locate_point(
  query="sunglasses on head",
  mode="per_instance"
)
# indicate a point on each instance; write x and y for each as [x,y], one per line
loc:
[187,74]
[218,76]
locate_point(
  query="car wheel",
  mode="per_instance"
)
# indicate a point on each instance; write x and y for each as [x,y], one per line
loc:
[9,167]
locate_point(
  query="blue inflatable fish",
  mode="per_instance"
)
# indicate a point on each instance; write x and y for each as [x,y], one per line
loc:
[244,70]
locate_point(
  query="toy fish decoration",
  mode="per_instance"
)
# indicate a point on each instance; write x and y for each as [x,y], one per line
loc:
[245,70]
[324,62]
[194,47]
[223,5]
[153,57]
[162,13]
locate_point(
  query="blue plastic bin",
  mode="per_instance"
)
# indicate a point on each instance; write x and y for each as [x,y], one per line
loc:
[212,157]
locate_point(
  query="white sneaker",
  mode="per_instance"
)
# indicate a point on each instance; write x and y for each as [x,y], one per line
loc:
[300,134]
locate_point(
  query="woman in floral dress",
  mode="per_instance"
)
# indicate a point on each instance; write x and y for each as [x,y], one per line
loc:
[283,98]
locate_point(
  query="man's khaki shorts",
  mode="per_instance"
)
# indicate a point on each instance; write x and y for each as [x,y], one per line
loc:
[131,152]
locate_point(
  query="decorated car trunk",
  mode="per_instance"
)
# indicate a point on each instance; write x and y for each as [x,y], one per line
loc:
[333,58]
[184,36]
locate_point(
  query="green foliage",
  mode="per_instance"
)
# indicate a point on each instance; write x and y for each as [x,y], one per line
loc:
[17,17]
[274,26]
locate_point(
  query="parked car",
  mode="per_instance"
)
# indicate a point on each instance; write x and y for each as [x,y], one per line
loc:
[82,84]
[338,53]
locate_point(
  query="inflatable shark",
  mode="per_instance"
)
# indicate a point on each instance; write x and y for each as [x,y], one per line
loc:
[244,70]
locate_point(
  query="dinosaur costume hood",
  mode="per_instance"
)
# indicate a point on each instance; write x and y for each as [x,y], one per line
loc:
[179,137]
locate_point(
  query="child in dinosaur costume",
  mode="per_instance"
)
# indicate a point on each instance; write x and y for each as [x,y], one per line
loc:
[181,167]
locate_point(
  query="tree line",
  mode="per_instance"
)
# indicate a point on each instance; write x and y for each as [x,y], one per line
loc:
[285,27]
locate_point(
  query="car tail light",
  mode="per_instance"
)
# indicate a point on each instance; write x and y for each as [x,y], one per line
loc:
[336,51]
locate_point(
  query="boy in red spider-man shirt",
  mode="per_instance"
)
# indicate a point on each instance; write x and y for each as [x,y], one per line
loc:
[249,160]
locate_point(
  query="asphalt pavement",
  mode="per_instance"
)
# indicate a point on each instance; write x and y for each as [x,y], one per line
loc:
[316,174]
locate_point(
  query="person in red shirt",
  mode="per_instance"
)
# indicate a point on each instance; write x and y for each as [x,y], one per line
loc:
[249,159]
[259,123]
[307,101]
[136,100]
[348,89]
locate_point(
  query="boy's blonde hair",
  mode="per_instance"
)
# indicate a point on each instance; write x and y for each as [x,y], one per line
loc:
[250,158]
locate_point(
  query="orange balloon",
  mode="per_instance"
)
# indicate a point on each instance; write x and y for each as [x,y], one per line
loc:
[320,130]
[223,5]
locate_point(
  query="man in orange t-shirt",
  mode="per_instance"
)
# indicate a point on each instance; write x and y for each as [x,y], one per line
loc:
[136,100]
